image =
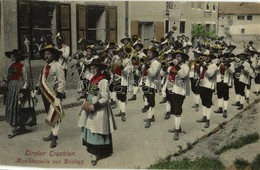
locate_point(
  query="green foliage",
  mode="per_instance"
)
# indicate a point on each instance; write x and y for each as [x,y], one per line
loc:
[200,163]
[201,31]
[256,163]
[241,163]
[240,142]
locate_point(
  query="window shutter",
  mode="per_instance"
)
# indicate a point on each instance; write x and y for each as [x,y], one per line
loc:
[158,30]
[65,23]
[134,27]
[112,23]
[81,21]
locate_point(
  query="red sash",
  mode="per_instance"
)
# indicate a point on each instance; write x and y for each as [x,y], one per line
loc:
[172,75]
[222,69]
[96,79]
[55,112]
[118,70]
[202,75]
[145,72]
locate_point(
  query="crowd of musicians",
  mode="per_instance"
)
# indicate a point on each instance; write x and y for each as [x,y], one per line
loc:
[173,68]
[167,67]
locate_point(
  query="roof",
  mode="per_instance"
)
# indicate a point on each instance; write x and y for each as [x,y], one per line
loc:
[239,8]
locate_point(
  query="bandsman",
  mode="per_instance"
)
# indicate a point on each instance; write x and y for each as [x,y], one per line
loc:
[137,58]
[207,82]
[178,87]
[152,81]
[224,80]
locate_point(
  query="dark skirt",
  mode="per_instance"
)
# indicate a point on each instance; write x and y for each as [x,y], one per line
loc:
[12,114]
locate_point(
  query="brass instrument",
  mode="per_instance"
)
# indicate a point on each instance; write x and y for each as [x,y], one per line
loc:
[199,60]
[117,64]
[128,50]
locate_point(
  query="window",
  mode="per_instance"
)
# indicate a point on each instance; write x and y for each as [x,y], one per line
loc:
[249,17]
[39,22]
[242,30]
[182,27]
[193,4]
[169,5]
[207,7]
[199,5]
[240,17]
[92,22]
[208,27]
[214,7]
[166,26]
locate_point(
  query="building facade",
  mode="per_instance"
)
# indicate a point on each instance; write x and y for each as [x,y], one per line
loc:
[240,21]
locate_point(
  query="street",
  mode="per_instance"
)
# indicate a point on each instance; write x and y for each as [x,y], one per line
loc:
[134,145]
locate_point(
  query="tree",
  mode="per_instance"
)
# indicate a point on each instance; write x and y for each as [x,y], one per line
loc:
[202,32]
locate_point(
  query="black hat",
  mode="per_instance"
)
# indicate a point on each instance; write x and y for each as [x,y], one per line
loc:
[184,56]
[97,62]
[135,38]
[138,43]
[250,42]
[155,41]
[232,46]
[153,49]
[17,54]
[242,56]
[207,54]
[53,50]
[125,38]
[251,53]
[111,45]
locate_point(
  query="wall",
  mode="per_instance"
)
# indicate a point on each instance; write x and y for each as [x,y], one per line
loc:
[185,12]
[9,35]
[149,11]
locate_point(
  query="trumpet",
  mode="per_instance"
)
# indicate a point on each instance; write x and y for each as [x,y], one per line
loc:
[199,60]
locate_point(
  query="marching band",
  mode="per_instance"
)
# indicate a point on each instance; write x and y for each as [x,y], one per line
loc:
[166,66]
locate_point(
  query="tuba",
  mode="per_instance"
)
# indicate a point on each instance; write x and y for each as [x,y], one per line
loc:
[128,50]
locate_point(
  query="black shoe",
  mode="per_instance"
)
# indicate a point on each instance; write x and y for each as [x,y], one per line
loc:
[207,124]
[151,120]
[236,104]
[240,107]
[132,98]
[225,114]
[148,124]
[176,135]
[53,141]
[167,115]
[12,135]
[203,119]
[123,117]
[145,109]
[173,130]
[93,162]
[220,110]
[48,138]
